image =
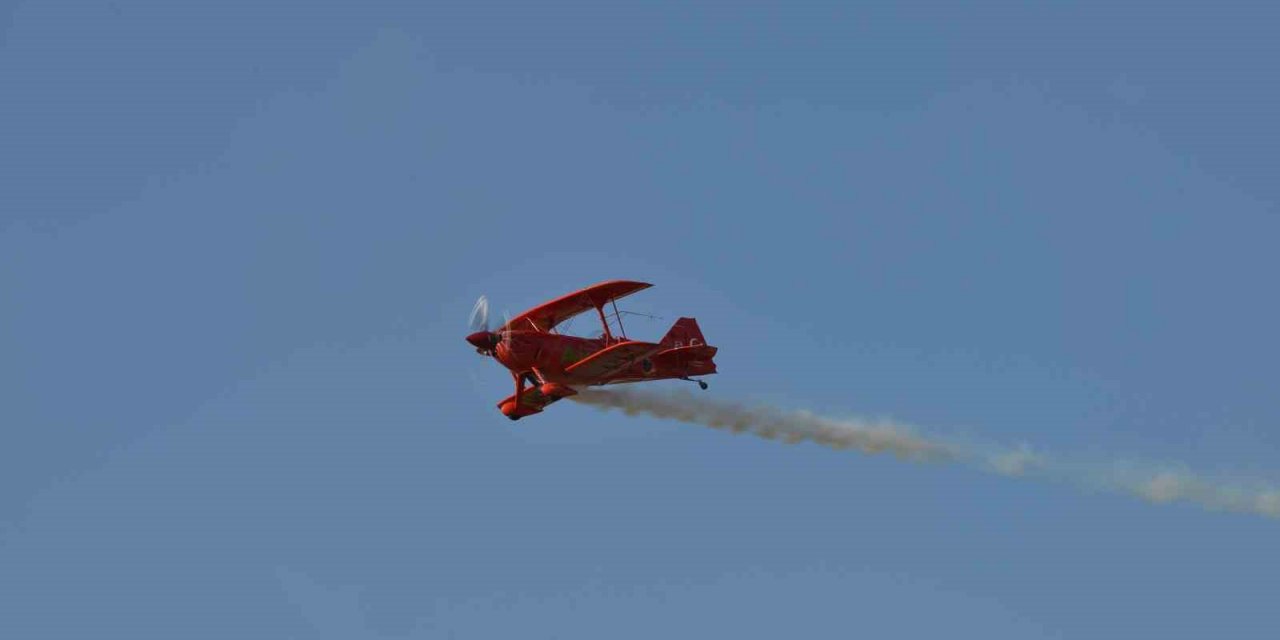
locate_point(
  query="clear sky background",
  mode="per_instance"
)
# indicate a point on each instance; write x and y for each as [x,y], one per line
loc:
[239,243]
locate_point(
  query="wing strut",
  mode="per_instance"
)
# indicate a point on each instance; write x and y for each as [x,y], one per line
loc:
[622,330]
[608,337]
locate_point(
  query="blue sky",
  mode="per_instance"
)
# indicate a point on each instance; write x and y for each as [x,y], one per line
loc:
[239,243]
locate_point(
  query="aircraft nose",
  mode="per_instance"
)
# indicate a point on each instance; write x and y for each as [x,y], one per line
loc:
[482,340]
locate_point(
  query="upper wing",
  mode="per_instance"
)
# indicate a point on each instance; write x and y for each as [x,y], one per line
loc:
[610,360]
[546,316]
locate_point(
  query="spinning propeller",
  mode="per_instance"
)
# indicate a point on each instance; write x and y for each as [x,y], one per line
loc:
[484,339]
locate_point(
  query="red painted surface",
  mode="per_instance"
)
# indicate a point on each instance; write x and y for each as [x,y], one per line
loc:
[556,363]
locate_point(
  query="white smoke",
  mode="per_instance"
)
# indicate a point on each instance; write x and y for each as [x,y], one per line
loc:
[1157,485]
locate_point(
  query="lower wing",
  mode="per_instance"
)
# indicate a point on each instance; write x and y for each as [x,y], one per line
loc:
[606,362]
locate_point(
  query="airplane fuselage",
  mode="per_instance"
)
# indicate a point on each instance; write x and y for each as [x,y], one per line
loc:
[547,353]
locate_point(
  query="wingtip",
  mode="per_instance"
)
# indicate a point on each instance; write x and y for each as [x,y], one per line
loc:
[639,283]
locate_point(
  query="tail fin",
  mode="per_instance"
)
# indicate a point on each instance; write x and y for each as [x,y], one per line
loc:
[684,333]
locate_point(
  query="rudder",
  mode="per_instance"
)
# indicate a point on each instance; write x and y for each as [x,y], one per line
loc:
[684,333]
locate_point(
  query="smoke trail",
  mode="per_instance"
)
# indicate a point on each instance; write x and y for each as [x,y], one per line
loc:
[1155,485]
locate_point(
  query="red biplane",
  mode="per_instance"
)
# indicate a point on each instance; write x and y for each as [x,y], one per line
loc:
[552,364]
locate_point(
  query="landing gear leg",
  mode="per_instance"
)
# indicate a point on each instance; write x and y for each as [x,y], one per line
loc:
[702,385]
